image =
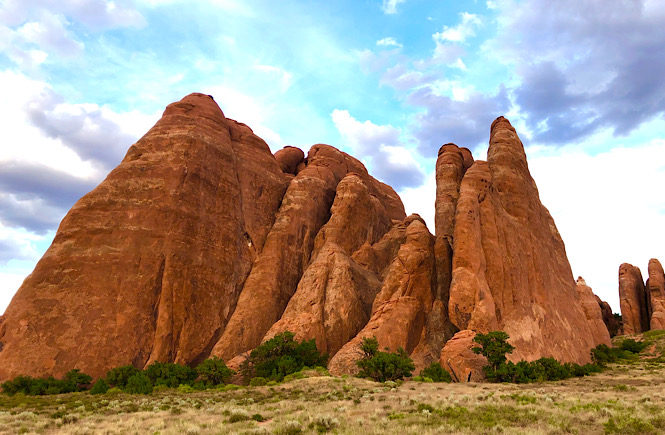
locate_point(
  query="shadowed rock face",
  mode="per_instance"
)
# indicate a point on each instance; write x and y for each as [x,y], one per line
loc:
[611,323]
[201,243]
[633,300]
[656,291]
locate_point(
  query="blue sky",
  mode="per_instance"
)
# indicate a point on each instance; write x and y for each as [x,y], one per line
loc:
[386,80]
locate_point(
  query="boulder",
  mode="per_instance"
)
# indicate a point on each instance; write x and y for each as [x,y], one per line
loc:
[633,300]
[458,358]
[289,158]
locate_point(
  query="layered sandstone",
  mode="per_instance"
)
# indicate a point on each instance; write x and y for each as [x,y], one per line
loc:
[656,291]
[510,270]
[633,300]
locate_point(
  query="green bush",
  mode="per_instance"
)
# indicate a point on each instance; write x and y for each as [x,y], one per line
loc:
[383,366]
[281,356]
[257,381]
[78,378]
[436,373]
[214,371]
[494,347]
[74,380]
[603,354]
[138,384]
[633,346]
[118,377]
[100,387]
[171,375]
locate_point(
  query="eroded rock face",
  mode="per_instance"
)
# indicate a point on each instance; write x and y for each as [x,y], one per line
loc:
[633,300]
[611,322]
[173,230]
[593,312]
[400,308]
[510,270]
[274,277]
[656,290]
[201,243]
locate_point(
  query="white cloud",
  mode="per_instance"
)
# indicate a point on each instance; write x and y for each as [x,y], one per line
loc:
[421,200]
[388,42]
[380,147]
[248,110]
[284,77]
[390,6]
[607,207]
[465,29]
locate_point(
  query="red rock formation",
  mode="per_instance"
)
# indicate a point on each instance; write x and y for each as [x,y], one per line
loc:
[400,308]
[289,158]
[458,358]
[611,322]
[656,290]
[510,270]
[172,231]
[201,242]
[288,248]
[633,300]
[593,312]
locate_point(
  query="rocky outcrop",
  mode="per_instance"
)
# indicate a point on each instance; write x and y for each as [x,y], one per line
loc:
[290,159]
[633,300]
[201,243]
[170,232]
[611,322]
[656,291]
[403,303]
[510,270]
[593,312]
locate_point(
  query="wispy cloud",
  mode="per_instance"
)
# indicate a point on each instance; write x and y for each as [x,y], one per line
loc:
[390,6]
[388,42]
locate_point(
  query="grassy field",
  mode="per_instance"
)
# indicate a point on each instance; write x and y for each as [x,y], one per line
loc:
[626,398]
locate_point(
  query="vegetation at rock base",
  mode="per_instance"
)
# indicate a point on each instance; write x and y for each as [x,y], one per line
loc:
[494,347]
[281,356]
[383,366]
[434,373]
[214,371]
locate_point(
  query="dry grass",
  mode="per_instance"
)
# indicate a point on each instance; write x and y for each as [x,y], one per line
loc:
[624,399]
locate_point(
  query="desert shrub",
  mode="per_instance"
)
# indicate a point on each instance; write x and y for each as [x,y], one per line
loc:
[118,377]
[603,354]
[170,374]
[214,371]
[436,373]
[78,378]
[494,347]
[138,384]
[383,366]
[100,387]
[74,380]
[257,381]
[281,356]
[633,346]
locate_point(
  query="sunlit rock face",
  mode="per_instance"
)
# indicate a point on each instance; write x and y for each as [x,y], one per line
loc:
[202,242]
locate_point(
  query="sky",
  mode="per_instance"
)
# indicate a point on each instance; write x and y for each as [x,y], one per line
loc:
[388,81]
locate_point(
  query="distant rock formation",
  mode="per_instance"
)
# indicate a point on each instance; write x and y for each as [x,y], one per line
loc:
[611,322]
[633,300]
[656,290]
[201,243]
